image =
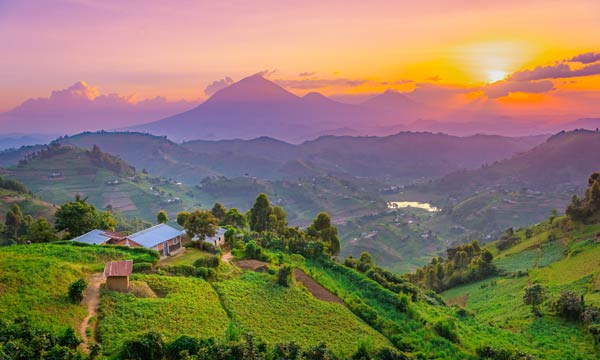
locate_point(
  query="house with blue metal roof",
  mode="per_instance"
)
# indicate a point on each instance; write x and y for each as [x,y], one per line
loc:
[99,237]
[162,238]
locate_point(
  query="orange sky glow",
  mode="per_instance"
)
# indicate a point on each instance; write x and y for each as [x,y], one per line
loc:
[144,49]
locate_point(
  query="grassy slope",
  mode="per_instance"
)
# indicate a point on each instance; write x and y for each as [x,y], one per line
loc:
[28,204]
[565,260]
[278,314]
[34,280]
[184,306]
[82,176]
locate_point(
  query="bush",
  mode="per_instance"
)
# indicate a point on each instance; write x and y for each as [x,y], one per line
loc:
[207,262]
[568,305]
[76,289]
[284,276]
[183,270]
[142,267]
[149,346]
[447,329]
[182,343]
[206,273]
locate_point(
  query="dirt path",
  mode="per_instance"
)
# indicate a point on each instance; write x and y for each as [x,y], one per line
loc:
[315,288]
[227,257]
[91,298]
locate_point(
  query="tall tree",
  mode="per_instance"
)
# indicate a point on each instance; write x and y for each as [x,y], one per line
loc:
[14,223]
[200,224]
[219,211]
[259,213]
[41,231]
[278,220]
[162,217]
[78,217]
[322,228]
[235,218]
[182,217]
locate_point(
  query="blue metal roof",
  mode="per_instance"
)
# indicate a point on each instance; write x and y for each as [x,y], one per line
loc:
[155,235]
[95,237]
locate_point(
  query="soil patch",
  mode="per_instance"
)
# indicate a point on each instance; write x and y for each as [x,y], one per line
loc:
[315,288]
[459,300]
[250,264]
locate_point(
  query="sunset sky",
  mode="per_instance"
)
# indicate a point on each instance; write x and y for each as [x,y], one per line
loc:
[143,49]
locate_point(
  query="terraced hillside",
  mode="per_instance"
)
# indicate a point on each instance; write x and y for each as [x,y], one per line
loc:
[58,174]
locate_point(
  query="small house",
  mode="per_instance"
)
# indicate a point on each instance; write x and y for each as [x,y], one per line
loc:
[117,274]
[101,237]
[162,238]
[218,239]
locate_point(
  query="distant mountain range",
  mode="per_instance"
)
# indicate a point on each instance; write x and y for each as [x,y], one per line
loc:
[565,160]
[404,156]
[255,107]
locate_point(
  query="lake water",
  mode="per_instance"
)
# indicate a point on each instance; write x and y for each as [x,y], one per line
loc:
[412,204]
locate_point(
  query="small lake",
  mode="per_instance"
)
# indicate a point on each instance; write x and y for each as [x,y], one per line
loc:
[412,204]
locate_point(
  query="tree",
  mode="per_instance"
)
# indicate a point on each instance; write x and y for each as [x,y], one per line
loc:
[219,211]
[487,256]
[78,217]
[41,231]
[259,213]
[182,217]
[534,296]
[76,289]
[235,219]
[277,220]
[569,305]
[14,223]
[322,228]
[149,346]
[201,224]
[162,217]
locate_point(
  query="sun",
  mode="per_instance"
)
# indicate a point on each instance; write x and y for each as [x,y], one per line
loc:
[496,75]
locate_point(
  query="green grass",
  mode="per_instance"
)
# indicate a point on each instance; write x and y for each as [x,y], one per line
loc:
[186,257]
[34,280]
[184,306]
[278,314]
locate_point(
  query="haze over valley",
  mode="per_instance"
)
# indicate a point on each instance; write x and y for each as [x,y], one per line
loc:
[316,180]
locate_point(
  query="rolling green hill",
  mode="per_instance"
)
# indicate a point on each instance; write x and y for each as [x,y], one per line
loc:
[56,174]
[34,283]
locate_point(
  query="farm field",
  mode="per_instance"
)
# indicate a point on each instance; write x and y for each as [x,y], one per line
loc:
[171,305]
[568,264]
[278,314]
[34,280]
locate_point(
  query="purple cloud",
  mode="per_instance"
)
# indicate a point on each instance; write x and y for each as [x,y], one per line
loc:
[82,107]
[505,87]
[218,85]
[307,74]
[586,58]
[559,70]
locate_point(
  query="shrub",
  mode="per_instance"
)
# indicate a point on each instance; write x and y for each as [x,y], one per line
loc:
[149,346]
[142,267]
[284,276]
[207,262]
[182,343]
[183,270]
[568,305]
[76,289]
[206,273]
[447,329]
